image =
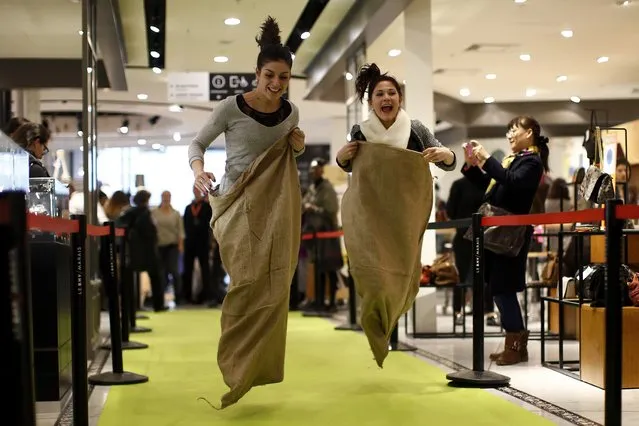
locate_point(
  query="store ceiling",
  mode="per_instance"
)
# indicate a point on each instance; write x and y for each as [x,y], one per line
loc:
[195,33]
[473,39]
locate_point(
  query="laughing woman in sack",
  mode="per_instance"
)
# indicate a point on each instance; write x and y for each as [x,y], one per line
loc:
[255,124]
[512,186]
[386,267]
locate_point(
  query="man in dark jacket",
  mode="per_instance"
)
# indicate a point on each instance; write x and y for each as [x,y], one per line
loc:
[197,244]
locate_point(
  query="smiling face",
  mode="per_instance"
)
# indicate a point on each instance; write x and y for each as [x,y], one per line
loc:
[519,138]
[273,79]
[385,100]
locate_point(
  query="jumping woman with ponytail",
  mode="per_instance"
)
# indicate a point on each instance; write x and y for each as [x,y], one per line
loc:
[510,185]
[256,217]
[387,206]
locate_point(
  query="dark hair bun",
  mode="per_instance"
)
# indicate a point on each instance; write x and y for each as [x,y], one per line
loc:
[543,140]
[368,74]
[270,34]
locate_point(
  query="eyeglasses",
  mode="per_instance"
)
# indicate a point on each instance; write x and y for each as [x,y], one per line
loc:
[45,149]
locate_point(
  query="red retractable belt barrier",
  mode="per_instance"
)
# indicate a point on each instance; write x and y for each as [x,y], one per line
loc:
[52,224]
[627,212]
[97,231]
[322,235]
[584,216]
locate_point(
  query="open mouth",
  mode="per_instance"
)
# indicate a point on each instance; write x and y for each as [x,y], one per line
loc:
[275,92]
[387,108]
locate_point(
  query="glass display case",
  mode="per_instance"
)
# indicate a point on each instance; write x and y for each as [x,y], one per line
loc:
[14,166]
[47,196]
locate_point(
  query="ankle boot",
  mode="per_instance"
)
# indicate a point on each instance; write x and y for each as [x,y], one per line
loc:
[515,349]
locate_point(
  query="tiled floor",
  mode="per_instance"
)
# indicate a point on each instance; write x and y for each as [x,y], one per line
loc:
[449,353]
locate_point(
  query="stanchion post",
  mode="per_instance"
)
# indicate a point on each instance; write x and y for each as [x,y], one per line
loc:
[79,324]
[317,307]
[614,323]
[125,300]
[107,265]
[16,330]
[477,377]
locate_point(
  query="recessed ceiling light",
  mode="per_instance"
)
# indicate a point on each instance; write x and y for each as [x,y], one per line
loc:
[561,78]
[221,59]
[154,29]
[464,92]
[177,137]
[575,99]
[155,54]
[531,92]
[175,108]
[524,57]
[305,35]
[491,76]
[141,141]
[156,146]
[157,70]
[232,21]
[394,52]
[567,33]
[602,59]
[520,1]
[348,76]
[143,96]
[80,32]
[489,100]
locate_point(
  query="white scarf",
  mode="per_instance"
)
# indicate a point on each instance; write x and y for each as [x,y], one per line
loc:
[396,135]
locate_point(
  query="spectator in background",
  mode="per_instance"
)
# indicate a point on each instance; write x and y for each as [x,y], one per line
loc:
[170,240]
[197,245]
[34,138]
[143,243]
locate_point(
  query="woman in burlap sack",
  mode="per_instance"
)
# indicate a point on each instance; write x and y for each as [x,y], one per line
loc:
[256,207]
[384,220]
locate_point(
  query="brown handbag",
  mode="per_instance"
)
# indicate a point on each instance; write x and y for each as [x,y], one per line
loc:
[550,273]
[503,240]
[445,270]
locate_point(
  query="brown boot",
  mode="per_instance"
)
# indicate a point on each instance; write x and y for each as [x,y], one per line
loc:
[515,349]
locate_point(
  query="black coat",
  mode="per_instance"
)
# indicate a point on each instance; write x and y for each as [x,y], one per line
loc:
[197,229]
[143,238]
[514,191]
[464,199]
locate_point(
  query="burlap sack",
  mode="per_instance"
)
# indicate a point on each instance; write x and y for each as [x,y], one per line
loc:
[385,211]
[258,225]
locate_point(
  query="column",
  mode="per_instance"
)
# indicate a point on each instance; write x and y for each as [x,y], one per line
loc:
[5,107]
[28,104]
[419,101]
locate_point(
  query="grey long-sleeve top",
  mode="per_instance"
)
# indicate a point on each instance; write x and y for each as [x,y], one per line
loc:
[245,137]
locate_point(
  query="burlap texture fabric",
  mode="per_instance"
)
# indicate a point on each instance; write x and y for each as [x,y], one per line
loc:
[257,224]
[385,211]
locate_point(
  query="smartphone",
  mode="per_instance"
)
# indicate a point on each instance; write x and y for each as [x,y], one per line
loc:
[469,150]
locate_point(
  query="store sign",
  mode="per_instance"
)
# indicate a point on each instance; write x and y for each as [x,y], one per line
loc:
[188,87]
[225,85]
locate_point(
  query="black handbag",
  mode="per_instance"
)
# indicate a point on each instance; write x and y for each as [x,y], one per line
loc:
[593,287]
[502,240]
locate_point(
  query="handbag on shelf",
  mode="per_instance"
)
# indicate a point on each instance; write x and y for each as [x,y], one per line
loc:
[597,186]
[503,240]
[633,290]
[594,284]
[445,270]
[550,272]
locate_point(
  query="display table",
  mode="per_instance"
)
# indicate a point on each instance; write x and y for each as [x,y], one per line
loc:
[593,346]
[51,300]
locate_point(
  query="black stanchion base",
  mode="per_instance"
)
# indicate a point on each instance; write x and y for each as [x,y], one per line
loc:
[138,329]
[477,379]
[348,327]
[317,314]
[141,317]
[401,347]
[117,379]
[127,346]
